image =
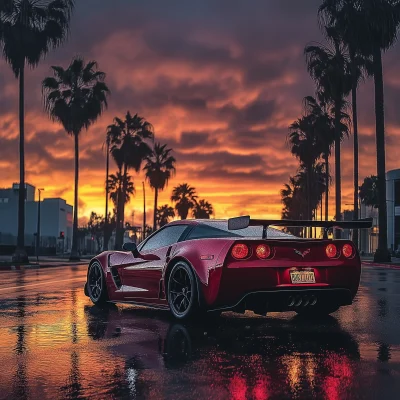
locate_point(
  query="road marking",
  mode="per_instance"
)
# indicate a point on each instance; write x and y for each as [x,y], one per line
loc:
[40,284]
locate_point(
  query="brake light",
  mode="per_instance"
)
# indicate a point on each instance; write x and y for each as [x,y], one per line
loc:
[331,251]
[263,251]
[240,251]
[347,250]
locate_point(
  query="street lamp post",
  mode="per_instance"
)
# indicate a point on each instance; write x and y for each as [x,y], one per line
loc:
[144,211]
[38,228]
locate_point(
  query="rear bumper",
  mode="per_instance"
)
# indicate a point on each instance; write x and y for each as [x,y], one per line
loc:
[262,302]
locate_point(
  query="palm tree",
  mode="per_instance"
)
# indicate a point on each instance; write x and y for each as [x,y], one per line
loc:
[106,225]
[303,139]
[375,25]
[345,17]
[293,195]
[330,68]
[115,182]
[287,196]
[28,30]
[378,24]
[325,129]
[203,209]
[129,148]
[369,194]
[164,213]
[294,202]
[184,197]
[75,97]
[159,168]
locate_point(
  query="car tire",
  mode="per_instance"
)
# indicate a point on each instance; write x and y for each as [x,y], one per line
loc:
[317,312]
[96,284]
[182,291]
[178,346]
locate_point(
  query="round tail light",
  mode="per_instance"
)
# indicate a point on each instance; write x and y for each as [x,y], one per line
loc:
[347,250]
[331,251]
[263,251]
[240,251]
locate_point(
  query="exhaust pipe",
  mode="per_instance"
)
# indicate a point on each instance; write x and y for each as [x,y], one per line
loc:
[298,301]
[304,301]
[313,300]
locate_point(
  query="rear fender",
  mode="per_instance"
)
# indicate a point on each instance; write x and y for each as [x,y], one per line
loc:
[206,256]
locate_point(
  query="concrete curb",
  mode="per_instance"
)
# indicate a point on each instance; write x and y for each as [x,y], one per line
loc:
[39,266]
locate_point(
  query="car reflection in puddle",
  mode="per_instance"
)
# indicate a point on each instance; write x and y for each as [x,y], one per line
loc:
[229,357]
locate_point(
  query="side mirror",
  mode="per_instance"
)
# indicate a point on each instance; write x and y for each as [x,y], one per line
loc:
[131,246]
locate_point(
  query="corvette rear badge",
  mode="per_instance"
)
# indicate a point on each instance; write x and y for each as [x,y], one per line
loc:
[302,254]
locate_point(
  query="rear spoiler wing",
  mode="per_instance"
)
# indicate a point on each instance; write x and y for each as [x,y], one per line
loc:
[246,221]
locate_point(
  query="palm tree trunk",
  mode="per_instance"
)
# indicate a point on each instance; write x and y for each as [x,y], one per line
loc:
[122,197]
[155,208]
[20,253]
[355,137]
[327,186]
[309,217]
[338,186]
[74,250]
[321,207]
[118,216]
[144,211]
[106,224]
[308,192]
[382,253]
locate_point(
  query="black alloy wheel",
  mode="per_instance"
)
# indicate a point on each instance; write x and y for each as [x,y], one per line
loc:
[182,291]
[96,286]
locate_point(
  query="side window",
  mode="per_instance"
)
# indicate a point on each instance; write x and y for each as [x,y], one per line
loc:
[165,237]
[206,231]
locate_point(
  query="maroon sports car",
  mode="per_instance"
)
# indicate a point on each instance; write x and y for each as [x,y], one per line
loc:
[209,266]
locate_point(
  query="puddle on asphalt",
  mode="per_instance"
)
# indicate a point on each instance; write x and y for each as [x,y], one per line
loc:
[63,347]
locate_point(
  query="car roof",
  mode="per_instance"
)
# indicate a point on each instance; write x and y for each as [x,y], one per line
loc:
[194,221]
[276,233]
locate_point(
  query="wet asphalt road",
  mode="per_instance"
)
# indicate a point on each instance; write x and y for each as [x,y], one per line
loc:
[55,345]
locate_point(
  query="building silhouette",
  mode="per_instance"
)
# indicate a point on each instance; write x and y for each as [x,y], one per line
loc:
[55,221]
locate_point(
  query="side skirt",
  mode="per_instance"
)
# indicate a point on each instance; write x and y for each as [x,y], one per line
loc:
[136,303]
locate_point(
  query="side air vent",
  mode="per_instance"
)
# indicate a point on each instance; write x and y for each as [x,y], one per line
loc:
[116,277]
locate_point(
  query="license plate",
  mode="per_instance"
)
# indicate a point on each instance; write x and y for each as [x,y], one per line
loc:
[302,276]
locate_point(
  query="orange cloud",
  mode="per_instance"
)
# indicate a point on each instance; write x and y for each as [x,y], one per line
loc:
[220,91]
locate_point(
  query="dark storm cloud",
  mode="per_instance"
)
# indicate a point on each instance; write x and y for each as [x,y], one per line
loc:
[215,77]
[256,112]
[262,72]
[190,140]
[187,95]
[172,45]
[261,177]
[43,149]
[221,158]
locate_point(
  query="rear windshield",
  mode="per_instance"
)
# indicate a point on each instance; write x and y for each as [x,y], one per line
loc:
[215,229]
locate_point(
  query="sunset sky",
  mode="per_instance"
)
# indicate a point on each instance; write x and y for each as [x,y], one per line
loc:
[220,80]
